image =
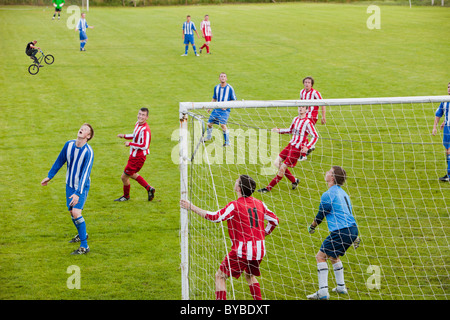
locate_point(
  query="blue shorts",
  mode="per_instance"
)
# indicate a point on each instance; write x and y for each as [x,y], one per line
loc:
[83,36]
[446,140]
[339,241]
[219,116]
[188,38]
[81,201]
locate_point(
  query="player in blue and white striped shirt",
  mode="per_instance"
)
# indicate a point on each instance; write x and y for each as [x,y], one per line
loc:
[188,35]
[336,207]
[444,111]
[222,92]
[79,157]
[81,27]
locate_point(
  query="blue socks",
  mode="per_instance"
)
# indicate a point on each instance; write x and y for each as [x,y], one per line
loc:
[80,224]
[186,49]
[195,49]
[448,165]
[226,135]
[82,44]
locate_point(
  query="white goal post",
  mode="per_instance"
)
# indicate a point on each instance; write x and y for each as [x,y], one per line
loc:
[393,164]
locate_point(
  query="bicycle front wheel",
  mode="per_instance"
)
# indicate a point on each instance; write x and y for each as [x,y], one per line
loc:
[33,69]
[49,59]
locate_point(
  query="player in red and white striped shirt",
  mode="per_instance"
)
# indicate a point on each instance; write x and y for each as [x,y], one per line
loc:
[297,149]
[309,93]
[206,33]
[139,149]
[245,217]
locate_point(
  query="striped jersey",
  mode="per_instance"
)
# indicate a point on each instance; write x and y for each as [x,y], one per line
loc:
[82,25]
[245,218]
[206,28]
[444,110]
[79,165]
[141,137]
[313,111]
[224,93]
[189,27]
[300,129]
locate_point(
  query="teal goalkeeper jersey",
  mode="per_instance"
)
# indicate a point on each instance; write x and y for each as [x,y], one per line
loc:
[58,3]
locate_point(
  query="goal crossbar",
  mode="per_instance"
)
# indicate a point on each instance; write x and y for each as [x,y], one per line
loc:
[184,107]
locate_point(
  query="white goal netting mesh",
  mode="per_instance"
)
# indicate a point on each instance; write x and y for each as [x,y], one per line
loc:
[393,164]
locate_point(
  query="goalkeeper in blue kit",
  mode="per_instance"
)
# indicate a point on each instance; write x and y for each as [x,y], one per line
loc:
[443,111]
[336,207]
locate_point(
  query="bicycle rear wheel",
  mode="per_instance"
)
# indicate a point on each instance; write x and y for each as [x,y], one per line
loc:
[49,59]
[33,69]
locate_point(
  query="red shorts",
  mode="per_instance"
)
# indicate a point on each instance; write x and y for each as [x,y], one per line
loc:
[239,265]
[207,38]
[134,165]
[290,155]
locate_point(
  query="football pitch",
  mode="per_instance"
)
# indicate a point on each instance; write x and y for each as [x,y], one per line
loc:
[133,60]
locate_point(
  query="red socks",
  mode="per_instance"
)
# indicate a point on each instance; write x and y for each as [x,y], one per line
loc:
[141,181]
[255,290]
[274,182]
[126,191]
[289,175]
[221,295]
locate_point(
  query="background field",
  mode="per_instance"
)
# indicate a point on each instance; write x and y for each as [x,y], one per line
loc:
[133,60]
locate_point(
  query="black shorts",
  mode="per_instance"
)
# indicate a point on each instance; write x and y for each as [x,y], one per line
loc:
[58,10]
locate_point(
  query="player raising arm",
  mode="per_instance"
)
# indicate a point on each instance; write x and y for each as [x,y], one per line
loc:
[336,207]
[444,111]
[297,149]
[245,217]
[79,157]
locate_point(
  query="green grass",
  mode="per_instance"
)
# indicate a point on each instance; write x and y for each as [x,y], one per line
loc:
[133,60]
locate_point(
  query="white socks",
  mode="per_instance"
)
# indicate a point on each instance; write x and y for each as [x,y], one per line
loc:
[322,269]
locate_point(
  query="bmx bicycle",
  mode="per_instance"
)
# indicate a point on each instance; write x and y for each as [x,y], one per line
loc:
[47,58]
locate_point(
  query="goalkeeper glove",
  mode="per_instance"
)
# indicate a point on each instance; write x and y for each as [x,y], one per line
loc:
[311,229]
[356,243]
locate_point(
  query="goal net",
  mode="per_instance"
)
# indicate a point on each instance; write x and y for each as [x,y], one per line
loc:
[393,165]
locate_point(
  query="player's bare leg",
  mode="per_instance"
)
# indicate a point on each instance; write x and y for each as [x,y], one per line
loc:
[221,285]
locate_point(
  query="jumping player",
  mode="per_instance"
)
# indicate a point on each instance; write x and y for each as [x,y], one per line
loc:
[188,35]
[444,111]
[139,149]
[82,27]
[336,207]
[309,93]
[58,4]
[222,92]
[297,149]
[79,157]
[206,33]
[245,217]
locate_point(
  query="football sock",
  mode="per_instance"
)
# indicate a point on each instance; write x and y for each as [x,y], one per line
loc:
[82,44]
[322,269]
[339,273]
[289,175]
[209,133]
[186,49]
[81,227]
[226,135]
[274,182]
[126,191]
[195,49]
[207,48]
[203,46]
[221,295]
[255,290]
[143,183]
[448,165]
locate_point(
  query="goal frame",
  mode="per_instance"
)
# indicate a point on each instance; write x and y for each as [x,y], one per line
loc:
[186,107]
